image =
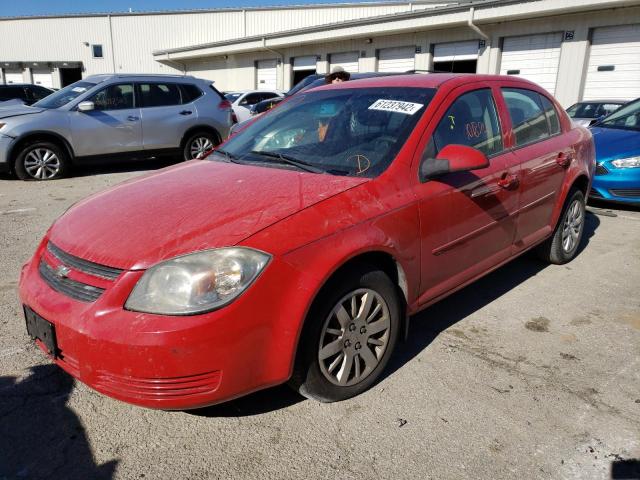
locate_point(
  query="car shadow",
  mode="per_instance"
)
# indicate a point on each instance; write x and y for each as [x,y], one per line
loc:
[612,207]
[123,166]
[424,328]
[40,436]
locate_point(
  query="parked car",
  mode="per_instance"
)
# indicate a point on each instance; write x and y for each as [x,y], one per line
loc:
[24,92]
[297,251]
[108,117]
[617,141]
[241,102]
[586,113]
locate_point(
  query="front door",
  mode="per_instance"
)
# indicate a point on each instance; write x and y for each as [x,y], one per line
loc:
[112,127]
[466,218]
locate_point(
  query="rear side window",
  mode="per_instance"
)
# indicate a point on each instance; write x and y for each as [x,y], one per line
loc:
[114,97]
[8,93]
[159,94]
[551,114]
[471,120]
[251,99]
[528,118]
[190,92]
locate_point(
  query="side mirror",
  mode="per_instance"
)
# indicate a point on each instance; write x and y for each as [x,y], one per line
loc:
[453,158]
[86,106]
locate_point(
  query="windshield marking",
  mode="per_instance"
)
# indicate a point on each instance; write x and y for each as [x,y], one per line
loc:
[398,106]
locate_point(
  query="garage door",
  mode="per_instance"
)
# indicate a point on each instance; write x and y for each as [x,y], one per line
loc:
[458,57]
[614,64]
[534,57]
[399,59]
[267,75]
[13,76]
[347,60]
[43,78]
[305,63]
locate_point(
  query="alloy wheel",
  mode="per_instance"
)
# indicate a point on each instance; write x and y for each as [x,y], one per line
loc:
[42,163]
[572,227]
[200,146]
[354,337]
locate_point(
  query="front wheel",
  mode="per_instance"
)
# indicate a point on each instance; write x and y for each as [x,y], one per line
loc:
[41,160]
[198,145]
[348,338]
[563,245]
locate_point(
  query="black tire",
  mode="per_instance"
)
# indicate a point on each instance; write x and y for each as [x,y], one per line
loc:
[555,249]
[310,377]
[187,150]
[52,167]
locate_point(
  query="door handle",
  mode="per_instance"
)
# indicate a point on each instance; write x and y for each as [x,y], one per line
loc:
[186,112]
[508,182]
[564,159]
[132,118]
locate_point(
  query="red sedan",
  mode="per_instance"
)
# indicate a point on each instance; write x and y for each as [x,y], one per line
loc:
[297,250]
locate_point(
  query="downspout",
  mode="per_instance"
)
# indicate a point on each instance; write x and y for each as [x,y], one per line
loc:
[264,45]
[473,26]
[113,53]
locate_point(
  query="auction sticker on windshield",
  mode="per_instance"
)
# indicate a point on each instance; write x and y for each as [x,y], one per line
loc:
[408,108]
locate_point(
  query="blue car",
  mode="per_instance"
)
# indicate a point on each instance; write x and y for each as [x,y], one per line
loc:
[617,141]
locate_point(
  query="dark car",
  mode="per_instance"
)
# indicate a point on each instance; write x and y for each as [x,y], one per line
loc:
[587,113]
[26,92]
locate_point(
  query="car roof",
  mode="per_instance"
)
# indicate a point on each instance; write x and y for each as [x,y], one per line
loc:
[610,100]
[23,85]
[140,76]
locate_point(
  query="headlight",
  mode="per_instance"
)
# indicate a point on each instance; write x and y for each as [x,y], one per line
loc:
[198,282]
[631,162]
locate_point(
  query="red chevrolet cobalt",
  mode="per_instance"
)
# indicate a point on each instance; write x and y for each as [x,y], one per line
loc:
[297,250]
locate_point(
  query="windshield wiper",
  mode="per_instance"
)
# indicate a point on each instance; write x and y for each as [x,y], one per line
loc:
[288,160]
[229,156]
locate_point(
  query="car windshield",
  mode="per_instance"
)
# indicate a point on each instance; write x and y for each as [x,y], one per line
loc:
[627,118]
[64,96]
[346,131]
[302,84]
[232,96]
[592,109]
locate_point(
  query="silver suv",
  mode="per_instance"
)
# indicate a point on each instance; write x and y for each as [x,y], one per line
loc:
[106,116]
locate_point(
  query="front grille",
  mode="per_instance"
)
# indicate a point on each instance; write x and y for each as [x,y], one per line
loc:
[84,266]
[625,192]
[601,169]
[71,288]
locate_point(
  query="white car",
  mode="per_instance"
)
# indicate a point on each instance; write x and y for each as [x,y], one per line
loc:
[241,102]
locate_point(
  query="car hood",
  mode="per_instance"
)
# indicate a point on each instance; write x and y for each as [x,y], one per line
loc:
[194,206]
[17,110]
[612,143]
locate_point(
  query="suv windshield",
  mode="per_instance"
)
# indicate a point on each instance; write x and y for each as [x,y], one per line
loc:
[628,117]
[64,96]
[341,131]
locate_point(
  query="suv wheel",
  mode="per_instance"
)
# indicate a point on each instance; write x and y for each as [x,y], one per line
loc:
[199,144]
[41,160]
[348,337]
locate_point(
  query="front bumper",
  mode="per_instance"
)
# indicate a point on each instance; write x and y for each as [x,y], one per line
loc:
[616,185]
[171,362]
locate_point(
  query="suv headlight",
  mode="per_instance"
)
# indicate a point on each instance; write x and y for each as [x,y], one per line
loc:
[631,162]
[197,282]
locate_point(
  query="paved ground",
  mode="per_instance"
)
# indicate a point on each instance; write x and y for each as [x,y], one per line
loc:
[532,372]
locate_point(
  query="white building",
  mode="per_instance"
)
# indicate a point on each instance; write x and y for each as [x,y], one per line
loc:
[576,49]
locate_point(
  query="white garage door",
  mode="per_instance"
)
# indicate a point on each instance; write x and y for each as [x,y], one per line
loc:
[534,57]
[450,52]
[347,60]
[305,63]
[267,75]
[399,59]
[614,64]
[43,78]
[13,76]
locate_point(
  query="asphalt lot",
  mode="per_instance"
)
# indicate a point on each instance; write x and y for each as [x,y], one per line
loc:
[532,372]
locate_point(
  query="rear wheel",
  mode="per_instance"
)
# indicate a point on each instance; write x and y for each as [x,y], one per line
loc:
[198,144]
[41,160]
[563,245]
[348,337]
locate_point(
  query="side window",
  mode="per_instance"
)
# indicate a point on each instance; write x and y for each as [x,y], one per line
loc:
[527,116]
[190,93]
[159,94]
[8,93]
[267,95]
[471,120]
[251,99]
[551,114]
[114,97]
[38,93]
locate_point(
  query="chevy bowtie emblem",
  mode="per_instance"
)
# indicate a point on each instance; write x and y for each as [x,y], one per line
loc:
[62,271]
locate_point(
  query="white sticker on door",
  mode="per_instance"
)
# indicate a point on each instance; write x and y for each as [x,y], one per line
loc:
[408,108]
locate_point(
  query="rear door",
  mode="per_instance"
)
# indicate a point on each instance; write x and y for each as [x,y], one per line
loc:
[544,155]
[165,118]
[467,218]
[112,127]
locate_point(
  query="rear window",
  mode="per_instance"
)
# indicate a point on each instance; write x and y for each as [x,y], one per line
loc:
[190,92]
[8,93]
[592,109]
[159,94]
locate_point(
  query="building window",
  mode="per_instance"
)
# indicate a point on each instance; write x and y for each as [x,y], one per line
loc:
[97,51]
